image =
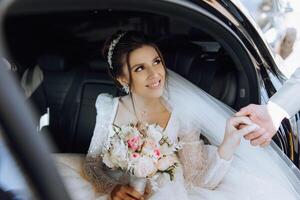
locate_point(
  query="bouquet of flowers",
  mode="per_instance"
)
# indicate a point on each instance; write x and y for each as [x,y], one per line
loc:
[143,151]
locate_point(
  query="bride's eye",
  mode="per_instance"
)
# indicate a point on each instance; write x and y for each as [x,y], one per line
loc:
[157,61]
[138,69]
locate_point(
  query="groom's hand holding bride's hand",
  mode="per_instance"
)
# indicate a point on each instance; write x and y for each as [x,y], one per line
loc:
[234,132]
[268,124]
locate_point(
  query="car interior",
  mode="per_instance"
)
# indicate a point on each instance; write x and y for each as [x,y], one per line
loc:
[65,47]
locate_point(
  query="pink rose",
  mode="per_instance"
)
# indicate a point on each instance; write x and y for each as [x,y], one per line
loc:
[157,153]
[135,155]
[133,143]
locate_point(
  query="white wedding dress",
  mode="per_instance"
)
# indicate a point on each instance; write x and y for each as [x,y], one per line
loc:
[203,175]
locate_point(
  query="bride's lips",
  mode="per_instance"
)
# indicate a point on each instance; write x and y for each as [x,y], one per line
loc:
[154,85]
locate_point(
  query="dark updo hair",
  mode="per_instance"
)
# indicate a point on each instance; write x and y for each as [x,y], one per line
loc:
[129,42]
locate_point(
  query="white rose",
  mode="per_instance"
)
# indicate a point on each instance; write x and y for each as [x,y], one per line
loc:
[165,149]
[129,132]
[154,133]
[143,167]
[165,162]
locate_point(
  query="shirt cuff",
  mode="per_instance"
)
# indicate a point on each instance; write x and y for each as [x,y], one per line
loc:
[277,113]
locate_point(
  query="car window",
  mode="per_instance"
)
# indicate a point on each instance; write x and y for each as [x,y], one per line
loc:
[13,184]
[270,16]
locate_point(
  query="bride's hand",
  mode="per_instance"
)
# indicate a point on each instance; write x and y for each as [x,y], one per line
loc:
[125,192]
[236,128]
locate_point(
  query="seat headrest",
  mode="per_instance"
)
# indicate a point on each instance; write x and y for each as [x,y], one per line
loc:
[98,65]
[201,67]
[180,56]
[51,63]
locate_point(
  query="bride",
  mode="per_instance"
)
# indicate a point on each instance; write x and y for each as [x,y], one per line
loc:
[229,169]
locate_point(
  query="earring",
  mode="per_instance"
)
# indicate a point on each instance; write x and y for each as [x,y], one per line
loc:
[126,89]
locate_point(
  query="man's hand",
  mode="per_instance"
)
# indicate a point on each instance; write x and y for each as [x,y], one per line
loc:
[268,124]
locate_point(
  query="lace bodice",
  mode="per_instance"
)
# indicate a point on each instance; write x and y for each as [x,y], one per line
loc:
[201,163]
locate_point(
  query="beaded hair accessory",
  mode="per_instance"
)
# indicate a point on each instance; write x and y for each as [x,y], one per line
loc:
[111,49]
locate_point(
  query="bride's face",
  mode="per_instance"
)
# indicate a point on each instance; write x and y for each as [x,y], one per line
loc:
[147,72]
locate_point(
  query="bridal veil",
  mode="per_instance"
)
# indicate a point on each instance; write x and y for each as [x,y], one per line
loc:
[197,109]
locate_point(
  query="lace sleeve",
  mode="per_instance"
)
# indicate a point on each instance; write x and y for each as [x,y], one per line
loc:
[93,166]
[202,165]
[93,169]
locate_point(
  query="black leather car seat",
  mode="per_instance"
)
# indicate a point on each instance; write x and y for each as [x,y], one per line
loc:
[95,81]
[211,71]
[70,92]
[53,92]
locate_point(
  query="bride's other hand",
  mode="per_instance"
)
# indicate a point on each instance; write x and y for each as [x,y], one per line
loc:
[125,192]
[236,129]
